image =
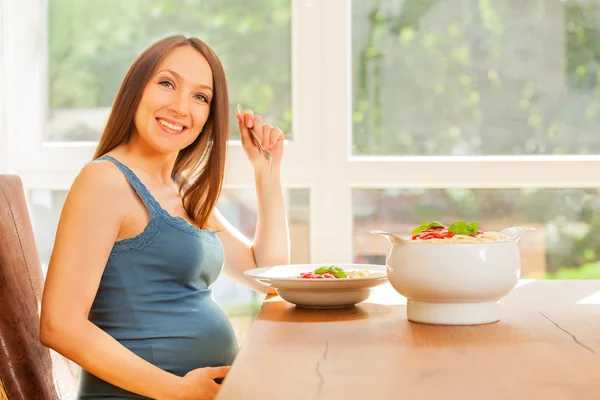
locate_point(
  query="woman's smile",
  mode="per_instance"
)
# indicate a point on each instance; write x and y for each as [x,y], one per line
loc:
[171,127]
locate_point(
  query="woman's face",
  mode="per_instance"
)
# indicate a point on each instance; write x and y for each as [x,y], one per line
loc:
[176,101]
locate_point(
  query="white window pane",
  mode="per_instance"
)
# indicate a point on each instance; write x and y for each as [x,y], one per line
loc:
[461,77]
[567,222]
[92,44]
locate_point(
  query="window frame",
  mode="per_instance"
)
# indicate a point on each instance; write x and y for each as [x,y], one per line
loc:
[319,157]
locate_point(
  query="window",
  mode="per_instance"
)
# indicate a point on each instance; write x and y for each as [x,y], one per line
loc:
[482,111]
[91,46]
[394,110]
[461,78]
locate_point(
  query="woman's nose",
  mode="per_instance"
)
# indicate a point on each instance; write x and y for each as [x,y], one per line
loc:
[180,105]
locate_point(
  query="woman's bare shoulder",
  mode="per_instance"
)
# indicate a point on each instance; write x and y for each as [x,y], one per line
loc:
[100,182]
[95,207]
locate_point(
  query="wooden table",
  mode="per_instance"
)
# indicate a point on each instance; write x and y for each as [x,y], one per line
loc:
[546,346]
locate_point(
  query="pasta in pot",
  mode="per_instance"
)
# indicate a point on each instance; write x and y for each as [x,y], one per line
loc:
[458,232]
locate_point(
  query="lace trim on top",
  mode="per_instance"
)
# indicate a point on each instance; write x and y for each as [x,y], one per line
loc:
[156,214]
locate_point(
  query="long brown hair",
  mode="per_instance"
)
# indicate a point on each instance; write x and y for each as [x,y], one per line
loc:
[199,168]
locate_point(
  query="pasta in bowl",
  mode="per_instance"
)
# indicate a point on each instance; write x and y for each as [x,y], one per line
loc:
[459,232]
[321,285]
[333,272]
[454,274]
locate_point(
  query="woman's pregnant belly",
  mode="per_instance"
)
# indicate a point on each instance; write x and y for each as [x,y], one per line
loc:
[191,333]
[202,338]
[177,337]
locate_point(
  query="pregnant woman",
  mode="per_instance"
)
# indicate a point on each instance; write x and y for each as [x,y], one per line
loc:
[139,243]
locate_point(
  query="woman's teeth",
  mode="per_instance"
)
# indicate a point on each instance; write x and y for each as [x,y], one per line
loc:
[170,126]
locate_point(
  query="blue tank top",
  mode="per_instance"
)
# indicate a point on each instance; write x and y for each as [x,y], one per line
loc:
[155,297]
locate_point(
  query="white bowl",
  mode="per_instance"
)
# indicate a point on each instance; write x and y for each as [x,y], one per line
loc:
[318,293]
[453,284]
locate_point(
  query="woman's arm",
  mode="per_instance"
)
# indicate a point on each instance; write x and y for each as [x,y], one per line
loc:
[87,230]
[271,242]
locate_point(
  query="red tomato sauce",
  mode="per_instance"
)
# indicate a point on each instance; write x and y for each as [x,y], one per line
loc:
[437,233]
[312,275]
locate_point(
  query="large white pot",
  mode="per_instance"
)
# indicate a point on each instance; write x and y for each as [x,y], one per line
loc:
[457,283]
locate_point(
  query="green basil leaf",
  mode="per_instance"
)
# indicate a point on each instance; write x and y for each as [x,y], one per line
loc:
[322,270]
[435,224]
[420,228]
[339,273]
[460,228]
[474,226]
[464,228]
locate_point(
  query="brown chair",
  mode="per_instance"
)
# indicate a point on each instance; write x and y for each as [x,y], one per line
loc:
[28,370]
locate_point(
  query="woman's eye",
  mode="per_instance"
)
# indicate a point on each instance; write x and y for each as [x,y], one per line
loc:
[166,84]
[202,97]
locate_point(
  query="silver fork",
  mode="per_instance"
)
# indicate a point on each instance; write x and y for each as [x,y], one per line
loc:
[266,153]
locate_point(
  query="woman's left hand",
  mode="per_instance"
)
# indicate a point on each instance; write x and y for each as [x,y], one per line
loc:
[271,138]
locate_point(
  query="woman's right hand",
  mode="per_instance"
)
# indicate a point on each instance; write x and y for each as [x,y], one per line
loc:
[199,384]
